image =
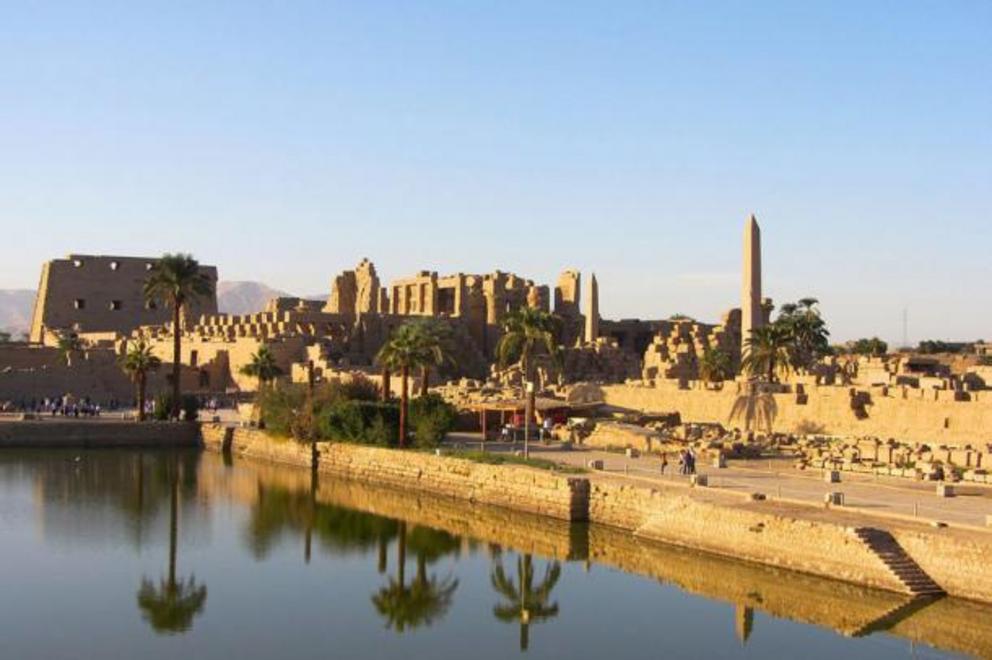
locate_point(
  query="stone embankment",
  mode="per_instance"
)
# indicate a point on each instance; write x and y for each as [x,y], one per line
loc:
[525,489]
[792,536]
[95,433]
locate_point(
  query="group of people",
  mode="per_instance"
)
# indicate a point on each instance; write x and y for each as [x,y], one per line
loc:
[687,462]
[69,406]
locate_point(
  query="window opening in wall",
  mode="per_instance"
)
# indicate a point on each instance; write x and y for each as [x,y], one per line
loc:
[115,305]
[150,304]
[78,263]
[79,303]
[114,265]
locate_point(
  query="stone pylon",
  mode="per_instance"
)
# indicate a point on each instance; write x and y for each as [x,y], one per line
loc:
[751,312]
[592,310]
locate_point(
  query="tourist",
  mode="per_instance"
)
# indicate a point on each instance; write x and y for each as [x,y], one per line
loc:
[546,428]
[664,462]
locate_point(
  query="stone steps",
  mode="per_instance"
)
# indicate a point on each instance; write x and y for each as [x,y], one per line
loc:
[900,565]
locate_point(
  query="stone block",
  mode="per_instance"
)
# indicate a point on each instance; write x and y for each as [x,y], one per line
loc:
[945,489]
[833,499]
[720,461]
[595,464]
[831,476]
[699,480]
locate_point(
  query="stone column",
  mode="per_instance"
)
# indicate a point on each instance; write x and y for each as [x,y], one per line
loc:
[751,312]
[592,310]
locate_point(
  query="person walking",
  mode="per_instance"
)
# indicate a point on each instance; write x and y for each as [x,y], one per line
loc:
[664,462]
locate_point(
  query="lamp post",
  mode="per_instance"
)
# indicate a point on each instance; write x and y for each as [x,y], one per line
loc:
[528,413]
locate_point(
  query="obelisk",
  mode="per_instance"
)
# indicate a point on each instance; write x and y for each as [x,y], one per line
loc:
[751,313]
[592,310]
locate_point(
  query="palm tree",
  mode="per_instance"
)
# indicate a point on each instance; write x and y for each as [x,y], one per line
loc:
[526,332]
[714,365]
[420,603]
[262,366]
[524,601]
[136,363]
[67,345]
[403,352]
[435,338]
[177,281]
[807,330]
[766,351]
[171,607]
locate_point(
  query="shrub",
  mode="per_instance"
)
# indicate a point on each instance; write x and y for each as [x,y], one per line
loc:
[359,388]
[431,418]
[365,422]
[190,407]
[162,409]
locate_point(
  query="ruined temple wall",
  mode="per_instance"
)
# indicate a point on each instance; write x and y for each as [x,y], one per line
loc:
[901,413]
[102,294]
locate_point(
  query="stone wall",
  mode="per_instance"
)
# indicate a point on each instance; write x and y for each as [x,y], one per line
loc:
[743,530]
[934,416]
[523,489]
[958,562]
[91,434]
[102,294]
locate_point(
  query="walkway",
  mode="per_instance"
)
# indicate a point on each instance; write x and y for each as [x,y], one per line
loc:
[778,479]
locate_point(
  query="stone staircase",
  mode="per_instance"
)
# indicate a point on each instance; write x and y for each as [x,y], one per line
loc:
[900,564]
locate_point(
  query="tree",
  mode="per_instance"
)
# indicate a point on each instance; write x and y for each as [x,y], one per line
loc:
[137,362]
[404,351]
[67,345]
[176,280]
[873,347]
[171,607]
[435,339]
[262,366]
[715,365]
[807,331]
[527,332]
[767,351]
[524,601]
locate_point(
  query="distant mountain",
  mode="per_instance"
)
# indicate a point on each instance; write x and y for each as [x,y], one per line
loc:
[244,297]
[16,307]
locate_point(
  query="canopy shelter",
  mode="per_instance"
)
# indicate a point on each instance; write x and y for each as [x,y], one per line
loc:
[558,409]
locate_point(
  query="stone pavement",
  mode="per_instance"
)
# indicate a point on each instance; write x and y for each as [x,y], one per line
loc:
[778,479]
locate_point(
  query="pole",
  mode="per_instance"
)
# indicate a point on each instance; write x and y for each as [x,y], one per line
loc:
[527,415]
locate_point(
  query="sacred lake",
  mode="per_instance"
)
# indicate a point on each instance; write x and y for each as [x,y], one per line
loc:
[162,554]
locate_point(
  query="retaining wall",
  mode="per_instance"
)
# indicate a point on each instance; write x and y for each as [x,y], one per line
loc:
[520,488]
[93,433]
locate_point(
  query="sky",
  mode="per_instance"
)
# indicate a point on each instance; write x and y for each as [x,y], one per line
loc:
[285,141]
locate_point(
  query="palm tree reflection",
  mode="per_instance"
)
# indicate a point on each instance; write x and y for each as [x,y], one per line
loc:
[172,604]
[523,600]
[427,599]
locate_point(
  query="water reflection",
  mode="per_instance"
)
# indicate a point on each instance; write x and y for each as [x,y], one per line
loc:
[427,599]
[227,518]
[523,601]
[171,605]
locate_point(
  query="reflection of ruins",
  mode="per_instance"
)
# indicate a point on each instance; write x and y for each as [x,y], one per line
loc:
[747,588]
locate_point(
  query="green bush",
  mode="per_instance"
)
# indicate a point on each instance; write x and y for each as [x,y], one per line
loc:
[365,422]
[162,410]
[431,418]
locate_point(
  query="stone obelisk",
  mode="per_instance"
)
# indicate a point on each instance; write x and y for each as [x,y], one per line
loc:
[592,310]
[751,312]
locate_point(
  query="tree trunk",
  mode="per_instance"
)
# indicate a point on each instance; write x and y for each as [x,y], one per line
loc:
[176,354]
[404,403]
[142,380]
[425,377]
[386,377]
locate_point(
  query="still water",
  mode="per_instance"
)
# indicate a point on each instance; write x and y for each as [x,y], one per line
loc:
[109,554]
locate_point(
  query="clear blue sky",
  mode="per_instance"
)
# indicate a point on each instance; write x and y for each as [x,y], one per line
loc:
[284,141]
